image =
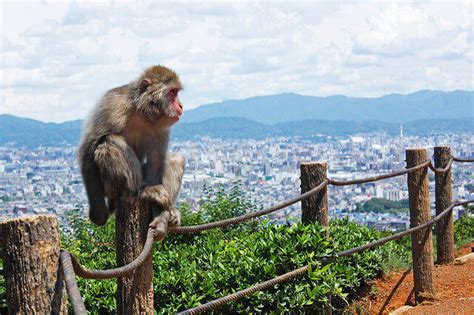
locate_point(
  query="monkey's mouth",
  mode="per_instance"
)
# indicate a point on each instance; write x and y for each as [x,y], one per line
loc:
[174,118]
[172,114]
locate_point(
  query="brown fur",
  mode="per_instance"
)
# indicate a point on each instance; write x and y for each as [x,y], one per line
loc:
[124,147]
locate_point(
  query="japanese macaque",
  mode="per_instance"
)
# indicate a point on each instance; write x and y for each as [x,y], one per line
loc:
[123,152]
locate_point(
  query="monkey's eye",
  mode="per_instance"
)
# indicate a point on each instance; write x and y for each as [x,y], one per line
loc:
[173,92]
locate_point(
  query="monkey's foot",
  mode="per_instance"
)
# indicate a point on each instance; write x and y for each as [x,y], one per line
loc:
[156,194]
[160,224]
[175,217]
[99,216]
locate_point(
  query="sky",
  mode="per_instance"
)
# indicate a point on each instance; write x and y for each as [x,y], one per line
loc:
[59,58]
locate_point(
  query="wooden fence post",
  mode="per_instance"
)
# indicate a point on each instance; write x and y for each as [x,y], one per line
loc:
[134,291]
[314,208]
[34,279]
[421,241]
[443,190]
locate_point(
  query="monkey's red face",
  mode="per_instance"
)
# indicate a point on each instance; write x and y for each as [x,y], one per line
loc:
[156,96]
[175,107]
[159,102]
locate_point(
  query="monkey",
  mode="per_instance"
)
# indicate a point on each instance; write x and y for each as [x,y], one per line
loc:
[123,150]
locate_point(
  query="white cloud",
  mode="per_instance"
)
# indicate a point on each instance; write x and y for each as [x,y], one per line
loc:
[57,59]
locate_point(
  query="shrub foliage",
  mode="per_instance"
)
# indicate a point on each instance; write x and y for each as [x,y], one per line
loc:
[193,269]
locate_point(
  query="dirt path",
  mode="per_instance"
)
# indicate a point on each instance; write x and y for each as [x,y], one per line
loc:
[454,285]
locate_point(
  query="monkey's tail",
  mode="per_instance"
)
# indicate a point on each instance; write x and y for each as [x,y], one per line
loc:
[98,210]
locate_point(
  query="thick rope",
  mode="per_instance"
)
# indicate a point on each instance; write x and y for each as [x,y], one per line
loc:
[116,272]
[404,233]
[300,271]
[462,160]
[248,216]
[71,284]
[444,169]
[379,177]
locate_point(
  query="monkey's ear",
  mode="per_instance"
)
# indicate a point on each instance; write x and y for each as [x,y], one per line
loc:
[144,85]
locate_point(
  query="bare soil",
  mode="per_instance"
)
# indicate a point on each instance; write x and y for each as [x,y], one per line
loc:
[454,285]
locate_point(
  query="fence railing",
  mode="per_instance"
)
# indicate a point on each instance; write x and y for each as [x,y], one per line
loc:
[27,250]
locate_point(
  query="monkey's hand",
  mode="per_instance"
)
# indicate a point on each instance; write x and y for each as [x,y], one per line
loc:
[160,224]
[175,217]
[158,195]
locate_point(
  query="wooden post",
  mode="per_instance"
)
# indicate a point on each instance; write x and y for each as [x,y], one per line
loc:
[135,291]
[315,208]
[444,228]
[421,241]
[34,279]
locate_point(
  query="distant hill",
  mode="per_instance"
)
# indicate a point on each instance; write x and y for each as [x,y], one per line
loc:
[287,114]
[32,133]
[392,108]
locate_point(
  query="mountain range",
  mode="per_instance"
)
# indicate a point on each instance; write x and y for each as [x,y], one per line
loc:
[423,112]
[286,107]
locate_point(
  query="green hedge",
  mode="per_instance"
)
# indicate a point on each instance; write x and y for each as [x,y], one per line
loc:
[193,269]
[464,228]
[216,263]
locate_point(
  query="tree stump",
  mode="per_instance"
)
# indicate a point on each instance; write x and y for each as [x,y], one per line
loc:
[34,280]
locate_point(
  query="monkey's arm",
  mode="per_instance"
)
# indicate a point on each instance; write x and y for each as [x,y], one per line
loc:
[174,171]
[164,172]
[154,190]
[172,179]
[171,184]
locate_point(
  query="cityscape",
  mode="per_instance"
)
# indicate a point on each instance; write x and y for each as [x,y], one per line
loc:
[47,179]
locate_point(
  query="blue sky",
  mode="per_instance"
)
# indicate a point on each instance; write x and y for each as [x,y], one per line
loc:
[58,58]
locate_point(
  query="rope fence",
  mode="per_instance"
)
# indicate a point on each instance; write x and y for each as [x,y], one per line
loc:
[302,270]
[71,285]
[248,216]
[455,159]
[442,170]
[71,266]
[116,272]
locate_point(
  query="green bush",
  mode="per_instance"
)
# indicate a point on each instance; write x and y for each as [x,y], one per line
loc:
[215,263]
[194,269]
[464,229]
[381,205]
